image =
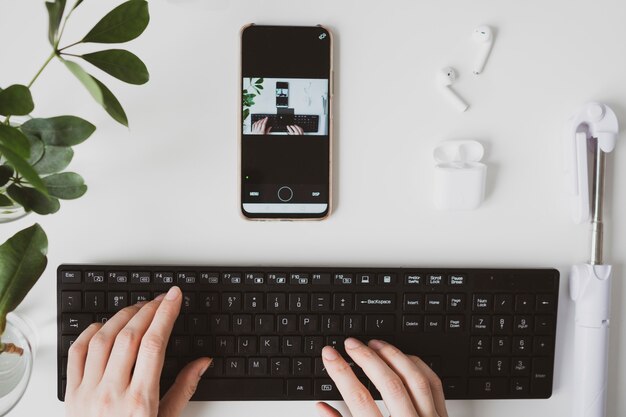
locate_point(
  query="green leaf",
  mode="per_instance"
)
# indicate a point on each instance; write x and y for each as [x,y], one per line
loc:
[99,92]
[121,64]
[78,2]
[66,186]
[55,159]
[33,200]
[5,201]
[5,174]
[22,261]
[15,140]
[16,100]
[86,79]
[60,131]
[36,149]
[246,113]
[55,14]
[24,168]
[122,24]
[111,104]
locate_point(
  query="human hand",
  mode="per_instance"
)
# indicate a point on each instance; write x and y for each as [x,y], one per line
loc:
[407,385]
[100,376]
[294,130]
[260,127]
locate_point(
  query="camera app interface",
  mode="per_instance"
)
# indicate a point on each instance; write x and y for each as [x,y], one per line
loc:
[285,120]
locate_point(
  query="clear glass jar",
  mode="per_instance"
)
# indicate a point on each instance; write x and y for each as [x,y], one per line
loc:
[15,369]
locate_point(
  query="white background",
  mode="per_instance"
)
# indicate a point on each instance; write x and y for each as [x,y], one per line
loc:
[165,190]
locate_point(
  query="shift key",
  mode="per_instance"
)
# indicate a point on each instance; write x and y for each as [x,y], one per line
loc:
[376,302]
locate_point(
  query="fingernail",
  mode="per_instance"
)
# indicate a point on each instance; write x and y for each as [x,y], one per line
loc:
[203,370]
[330,353]
[376,344]
[172,294]
[160,297]
[352,343]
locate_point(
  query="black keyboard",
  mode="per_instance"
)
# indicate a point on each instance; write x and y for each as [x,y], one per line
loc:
[488,333]
[279,122]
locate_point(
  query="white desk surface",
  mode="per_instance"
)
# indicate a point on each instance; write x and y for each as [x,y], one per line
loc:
[165,191]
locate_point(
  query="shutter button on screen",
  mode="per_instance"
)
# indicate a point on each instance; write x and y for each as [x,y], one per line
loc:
[285,194]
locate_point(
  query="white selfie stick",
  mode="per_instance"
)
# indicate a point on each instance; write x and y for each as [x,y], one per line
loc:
[591,133]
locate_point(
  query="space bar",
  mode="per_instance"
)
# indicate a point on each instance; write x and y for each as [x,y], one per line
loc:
[239,389]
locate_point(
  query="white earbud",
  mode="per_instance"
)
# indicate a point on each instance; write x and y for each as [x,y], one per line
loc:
[483,36]
[445,78]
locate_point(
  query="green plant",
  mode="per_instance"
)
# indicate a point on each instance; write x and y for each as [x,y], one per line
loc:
[35,153]
[248,96]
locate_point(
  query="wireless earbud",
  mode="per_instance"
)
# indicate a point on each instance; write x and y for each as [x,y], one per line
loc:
[445,78]
[483,35]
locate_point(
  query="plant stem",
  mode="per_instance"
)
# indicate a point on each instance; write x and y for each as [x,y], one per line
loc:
[45,64]
[11,348]
[70,45]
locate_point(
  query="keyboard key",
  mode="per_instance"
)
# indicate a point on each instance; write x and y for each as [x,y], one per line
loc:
[136,297]
[520,386]
[545,303]
[246,345]
[433,324]
[276,302]
[544,324]
[302,367]
[387,279]
[413,302]
[331,323]
[481,324]
[541,376]
[143,277]
[455,302]
[208,302]
[255,278]
[479,345]
[164,278]
[434,302]
[269,345]
[239,389]
[502,324]
[189,302]
[365,279]
[520,366]
[71,301]
[479,366]
[219,323]
[94,301]
[414,279]
[320,302]
[298,302]
[524,303]
[522,324]
[292,345]
[482,303]
[313,345]
[257,366]
[66,343]
[224,345]
[231,278]
[375,302]
[94,277]
[543,345]
[202,345]
[209,278]
[499,366]
[501,345]
[264,323]
[279,366]
[503,303]
[71,277]
[342,302]
[253,302]
[325,389]
[186,278]
[380,324]
[277,278]
[522,345]
[412,323]
[117,301]
[297,388]
[299,279]
[242,323]
[343,279]
[197,323]
[117,277]
[75,323]
[453,387]
[455,324]
[287,323]
[352,324]
[488,386]
[234,366]
[320,279]
[231,302]
[456,279]
[434,279]
[309,323]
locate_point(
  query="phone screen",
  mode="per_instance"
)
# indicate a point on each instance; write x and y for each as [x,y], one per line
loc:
[285,138]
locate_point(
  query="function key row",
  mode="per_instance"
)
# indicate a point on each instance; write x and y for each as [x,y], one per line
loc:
[260,278]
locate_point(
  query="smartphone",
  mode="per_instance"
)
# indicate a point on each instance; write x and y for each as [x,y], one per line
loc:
[286,122]
[282,94]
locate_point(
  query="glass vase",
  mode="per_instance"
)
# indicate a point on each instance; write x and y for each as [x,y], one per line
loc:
[16,366]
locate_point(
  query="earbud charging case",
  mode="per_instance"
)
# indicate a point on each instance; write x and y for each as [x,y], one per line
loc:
[459,180]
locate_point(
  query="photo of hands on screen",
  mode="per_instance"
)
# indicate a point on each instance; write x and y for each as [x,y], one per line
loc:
[285,106]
